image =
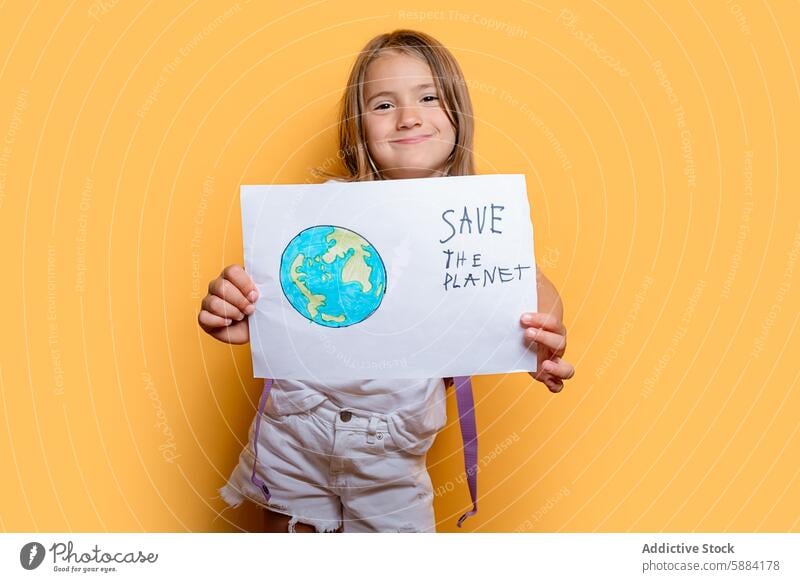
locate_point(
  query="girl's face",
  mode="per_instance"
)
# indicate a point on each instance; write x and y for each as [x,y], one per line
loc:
[408,132]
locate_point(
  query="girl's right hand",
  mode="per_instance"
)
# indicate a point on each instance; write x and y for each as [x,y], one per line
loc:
[231,298]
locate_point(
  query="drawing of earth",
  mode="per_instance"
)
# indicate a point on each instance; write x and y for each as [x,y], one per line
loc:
[332,276]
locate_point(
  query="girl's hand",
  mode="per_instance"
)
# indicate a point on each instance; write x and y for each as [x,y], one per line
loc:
[231,298]
[545,333]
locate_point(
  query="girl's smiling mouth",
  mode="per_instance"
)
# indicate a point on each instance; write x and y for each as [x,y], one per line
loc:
[412,140]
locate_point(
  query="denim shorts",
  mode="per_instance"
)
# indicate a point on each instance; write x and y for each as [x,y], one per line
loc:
[331,467]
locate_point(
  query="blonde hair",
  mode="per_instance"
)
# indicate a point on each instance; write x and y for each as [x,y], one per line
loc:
[450,85]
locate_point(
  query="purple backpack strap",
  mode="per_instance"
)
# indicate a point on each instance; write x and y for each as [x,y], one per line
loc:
[256,480]
[469,436]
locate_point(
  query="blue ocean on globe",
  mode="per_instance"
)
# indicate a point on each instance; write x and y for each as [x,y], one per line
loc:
[332,276]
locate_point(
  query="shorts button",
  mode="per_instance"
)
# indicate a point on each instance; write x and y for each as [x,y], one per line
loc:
[345,415]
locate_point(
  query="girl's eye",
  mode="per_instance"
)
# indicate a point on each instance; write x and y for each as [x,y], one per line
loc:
[386,105]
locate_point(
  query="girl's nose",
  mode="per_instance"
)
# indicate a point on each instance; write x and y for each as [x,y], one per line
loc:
[408,117]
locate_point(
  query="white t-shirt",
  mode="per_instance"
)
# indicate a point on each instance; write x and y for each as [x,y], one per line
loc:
[414,408]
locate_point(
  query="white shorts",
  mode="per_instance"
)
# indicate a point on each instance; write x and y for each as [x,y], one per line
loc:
[329,467]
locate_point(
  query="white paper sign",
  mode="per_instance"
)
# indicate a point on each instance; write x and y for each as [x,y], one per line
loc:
[416,278]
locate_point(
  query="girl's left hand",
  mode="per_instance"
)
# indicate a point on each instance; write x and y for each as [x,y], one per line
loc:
[547,335]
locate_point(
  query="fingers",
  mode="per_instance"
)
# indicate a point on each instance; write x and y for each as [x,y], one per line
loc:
[242,281]
[553,372]
[230,293]
[231,298]
[546,321]
[553,341]
[558,368]
[221,308]
[209,320]
[238,333]
[553,384]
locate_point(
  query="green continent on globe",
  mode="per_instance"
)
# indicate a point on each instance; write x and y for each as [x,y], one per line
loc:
[356,268]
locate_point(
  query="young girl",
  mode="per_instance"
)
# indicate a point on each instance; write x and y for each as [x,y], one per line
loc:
[350,456]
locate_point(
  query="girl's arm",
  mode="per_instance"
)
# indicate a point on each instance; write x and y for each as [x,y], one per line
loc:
[549,299]
[545,332]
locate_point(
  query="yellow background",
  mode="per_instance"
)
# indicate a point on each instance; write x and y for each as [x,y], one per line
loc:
[660,145]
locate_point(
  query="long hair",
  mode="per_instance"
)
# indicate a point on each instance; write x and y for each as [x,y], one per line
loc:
[453,95]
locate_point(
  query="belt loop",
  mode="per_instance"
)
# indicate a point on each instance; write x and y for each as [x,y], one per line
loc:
[372,428]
